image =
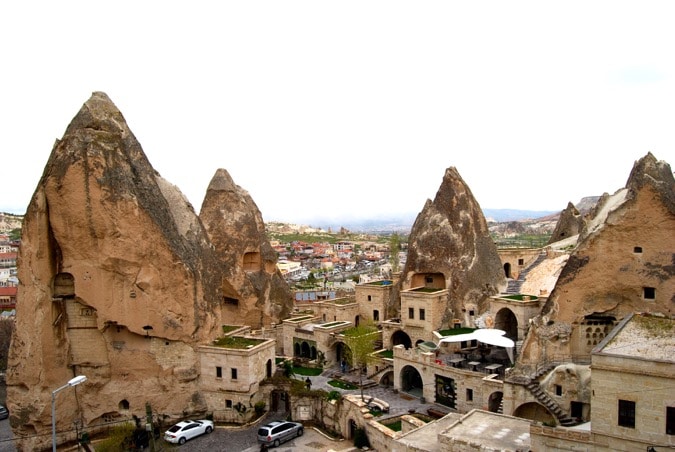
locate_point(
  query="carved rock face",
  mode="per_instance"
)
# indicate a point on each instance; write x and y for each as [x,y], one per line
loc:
[450,237]
[256,292]
[623,263]
[119,281]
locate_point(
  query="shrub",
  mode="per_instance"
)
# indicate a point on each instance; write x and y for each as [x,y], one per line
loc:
[259,408]
[118,438]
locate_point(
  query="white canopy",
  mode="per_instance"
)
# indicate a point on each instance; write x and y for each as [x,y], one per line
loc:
[487,336]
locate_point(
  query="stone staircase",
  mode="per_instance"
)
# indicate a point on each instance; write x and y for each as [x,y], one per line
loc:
[514,285]
[550,404]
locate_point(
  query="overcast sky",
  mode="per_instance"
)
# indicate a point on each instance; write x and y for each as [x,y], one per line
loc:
[340,109]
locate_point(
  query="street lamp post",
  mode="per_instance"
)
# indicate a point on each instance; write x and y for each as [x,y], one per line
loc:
[72,382]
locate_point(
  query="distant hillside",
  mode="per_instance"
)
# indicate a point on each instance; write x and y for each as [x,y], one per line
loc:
[10,221]
[500,215]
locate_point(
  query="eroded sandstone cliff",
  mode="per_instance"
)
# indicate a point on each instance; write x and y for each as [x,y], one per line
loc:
[253,287]
[450,236]
[624,263]
[119,281]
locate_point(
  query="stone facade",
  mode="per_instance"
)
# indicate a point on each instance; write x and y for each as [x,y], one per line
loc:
[422,312]
[632,401]
[515,260]
[373,300]
[230,378]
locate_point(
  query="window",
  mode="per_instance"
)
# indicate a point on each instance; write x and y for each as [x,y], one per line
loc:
[637,249]
[429,279]
[411,313]
[670,420]
[627,413]
[521,261]
[370,298]
[558,390]
[234,374]
[230,300]
[469,394]
[219,372]
[376,315]
[471,312]
[649,293]
[422,314]
[228,404]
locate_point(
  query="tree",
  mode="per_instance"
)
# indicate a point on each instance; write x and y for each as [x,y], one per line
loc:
[360,341]
[394,248]
[6,329]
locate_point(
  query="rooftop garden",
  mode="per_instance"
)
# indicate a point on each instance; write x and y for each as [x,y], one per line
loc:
[237,342]
[455,331]
[299,319]
[386,354]
[426,289]
[385,282]
[230,328]
[342,301]
[520,297]
[332,324]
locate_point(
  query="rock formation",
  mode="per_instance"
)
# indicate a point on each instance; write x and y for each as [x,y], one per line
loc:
[624,263]
[450,236]
[255,292]
[569,224]
[119,282]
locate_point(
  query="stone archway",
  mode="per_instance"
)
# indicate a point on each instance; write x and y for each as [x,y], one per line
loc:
[535,412]
[387,379]
[506,320]
[411,381]
[400,337]
[495,402]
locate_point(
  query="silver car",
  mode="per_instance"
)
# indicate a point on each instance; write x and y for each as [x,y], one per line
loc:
[279,432]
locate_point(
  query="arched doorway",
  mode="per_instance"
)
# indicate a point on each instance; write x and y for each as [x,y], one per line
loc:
[495,402]
[411,381]
[507,321]
[387,379]
[304,350]
[280,401]
[356,320]
[269,368]
[535,412]
[507,270]
[401,338]
[352,429]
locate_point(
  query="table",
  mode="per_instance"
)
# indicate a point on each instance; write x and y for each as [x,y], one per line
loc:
[492,367]
[473,364]
[456,362]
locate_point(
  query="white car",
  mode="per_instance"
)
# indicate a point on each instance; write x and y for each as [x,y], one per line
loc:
[185,430]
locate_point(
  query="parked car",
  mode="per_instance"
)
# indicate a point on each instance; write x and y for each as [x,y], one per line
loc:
[279,432]
[4,412]
[185,430]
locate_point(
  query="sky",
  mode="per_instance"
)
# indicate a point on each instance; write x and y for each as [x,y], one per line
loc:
[350,109]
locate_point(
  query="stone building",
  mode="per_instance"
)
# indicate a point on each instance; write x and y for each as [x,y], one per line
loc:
[633,403]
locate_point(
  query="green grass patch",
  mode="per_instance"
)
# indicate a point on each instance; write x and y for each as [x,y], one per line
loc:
[395,426]
[342,384]
[230,328]
[386,354]
[237,342]
[520,297]
[426,290]
[307,371]
[454,331]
